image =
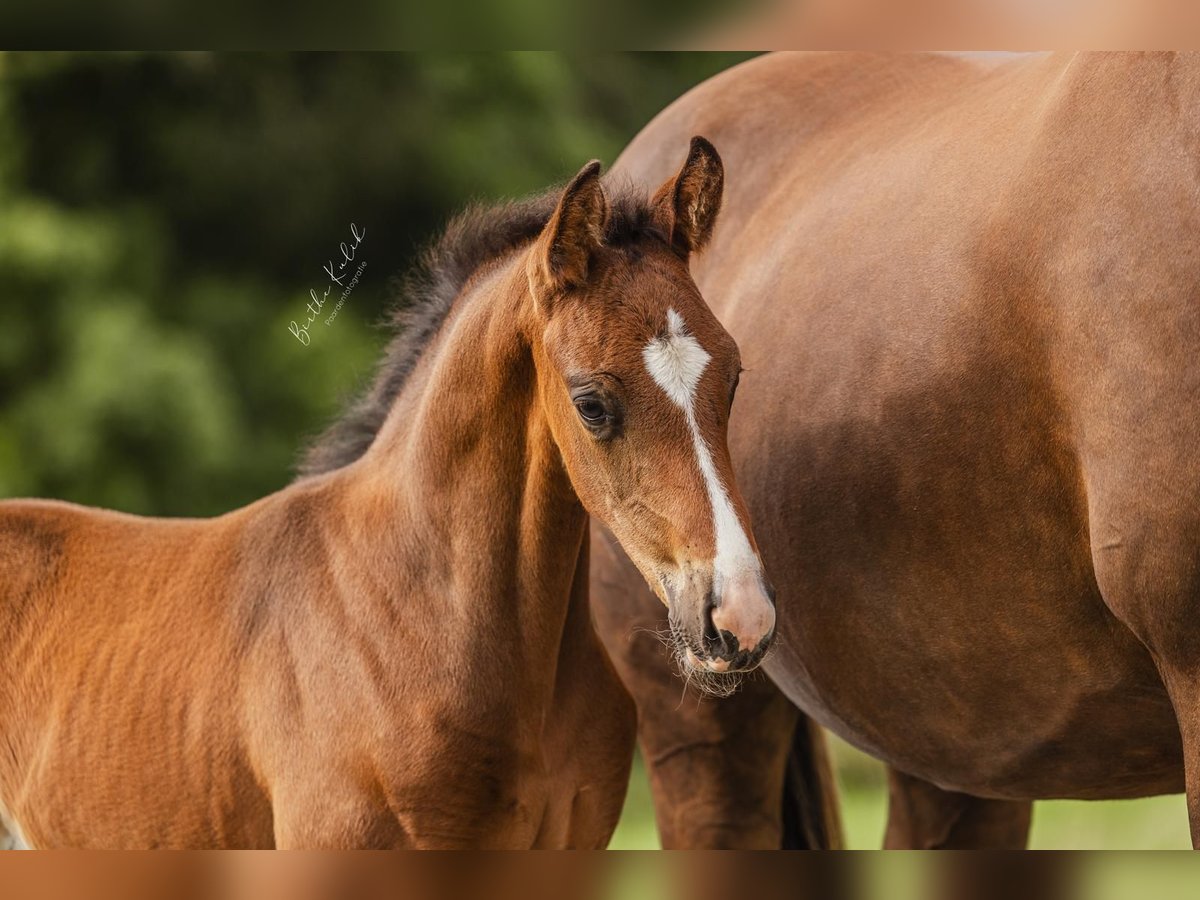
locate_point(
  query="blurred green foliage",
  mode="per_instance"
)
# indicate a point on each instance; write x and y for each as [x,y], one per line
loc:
[163,218]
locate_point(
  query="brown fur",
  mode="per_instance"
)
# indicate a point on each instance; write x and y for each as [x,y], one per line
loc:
[394,651]
[967,290]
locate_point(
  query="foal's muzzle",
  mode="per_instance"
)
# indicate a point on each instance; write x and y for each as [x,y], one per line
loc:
[738,627]
[727,629]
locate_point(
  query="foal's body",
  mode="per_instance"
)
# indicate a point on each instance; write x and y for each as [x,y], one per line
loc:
[339,664]
[969,293]
[396,651]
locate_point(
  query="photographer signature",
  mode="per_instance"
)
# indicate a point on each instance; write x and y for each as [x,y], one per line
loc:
[340,276]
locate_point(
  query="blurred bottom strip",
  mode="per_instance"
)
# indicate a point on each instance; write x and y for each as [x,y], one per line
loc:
[595,876]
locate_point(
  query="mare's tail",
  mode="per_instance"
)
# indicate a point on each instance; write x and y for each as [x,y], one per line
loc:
[811,820]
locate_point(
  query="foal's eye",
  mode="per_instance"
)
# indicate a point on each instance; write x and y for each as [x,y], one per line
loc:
[591,410]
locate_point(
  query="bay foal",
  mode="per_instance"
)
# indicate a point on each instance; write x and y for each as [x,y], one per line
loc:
[395,651]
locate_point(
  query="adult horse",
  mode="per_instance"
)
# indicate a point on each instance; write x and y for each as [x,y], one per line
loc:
[396,649]
[969,295]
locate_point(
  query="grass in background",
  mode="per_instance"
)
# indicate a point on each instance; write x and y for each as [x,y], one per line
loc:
[1154,823]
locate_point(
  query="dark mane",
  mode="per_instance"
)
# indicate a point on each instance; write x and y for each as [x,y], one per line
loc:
[477,236]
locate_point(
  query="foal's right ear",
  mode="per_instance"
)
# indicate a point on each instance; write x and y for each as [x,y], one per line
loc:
[563,252]
[687,205]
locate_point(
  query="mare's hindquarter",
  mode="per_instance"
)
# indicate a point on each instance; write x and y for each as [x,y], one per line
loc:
[966,300]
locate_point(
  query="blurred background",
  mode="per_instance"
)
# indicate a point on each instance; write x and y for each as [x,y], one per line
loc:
[164,217]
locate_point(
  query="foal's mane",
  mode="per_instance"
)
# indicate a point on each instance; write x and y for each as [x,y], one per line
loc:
[477,236]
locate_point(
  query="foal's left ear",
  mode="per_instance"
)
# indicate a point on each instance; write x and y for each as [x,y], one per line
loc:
[563,252]
[686,206]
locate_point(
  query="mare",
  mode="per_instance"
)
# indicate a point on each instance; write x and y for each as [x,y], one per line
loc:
[968,292]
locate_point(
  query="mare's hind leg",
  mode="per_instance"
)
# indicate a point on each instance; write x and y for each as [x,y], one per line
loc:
[1166,616]
[1147,564]
[1184,688]
[922,816]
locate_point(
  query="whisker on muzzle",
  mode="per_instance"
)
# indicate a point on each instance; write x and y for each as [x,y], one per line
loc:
[705,682]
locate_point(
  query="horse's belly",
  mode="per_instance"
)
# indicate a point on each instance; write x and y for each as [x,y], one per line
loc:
[926,519]
[999,722]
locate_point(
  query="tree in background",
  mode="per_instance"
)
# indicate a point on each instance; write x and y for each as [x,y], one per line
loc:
[163,218]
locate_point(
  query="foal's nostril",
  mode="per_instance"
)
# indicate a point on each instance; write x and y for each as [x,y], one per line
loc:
[717,641]
[711,637]
[743,617]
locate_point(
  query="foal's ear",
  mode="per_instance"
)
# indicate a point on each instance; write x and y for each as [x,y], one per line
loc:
[563,252]
[686,206]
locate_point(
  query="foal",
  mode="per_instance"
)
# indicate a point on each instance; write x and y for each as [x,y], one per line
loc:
[396,651]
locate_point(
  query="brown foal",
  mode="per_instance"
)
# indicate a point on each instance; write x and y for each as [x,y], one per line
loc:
[395,650]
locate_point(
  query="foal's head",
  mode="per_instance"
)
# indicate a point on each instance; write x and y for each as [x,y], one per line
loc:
[637,378]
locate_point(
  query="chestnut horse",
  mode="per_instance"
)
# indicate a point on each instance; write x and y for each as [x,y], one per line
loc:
[395,650]
[969,295]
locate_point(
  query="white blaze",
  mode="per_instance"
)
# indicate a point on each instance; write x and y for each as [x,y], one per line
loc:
[676,362]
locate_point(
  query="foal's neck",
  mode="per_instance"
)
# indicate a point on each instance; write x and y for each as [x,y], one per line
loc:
[474,513]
